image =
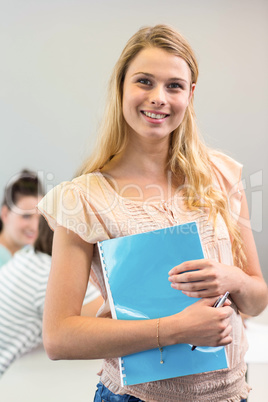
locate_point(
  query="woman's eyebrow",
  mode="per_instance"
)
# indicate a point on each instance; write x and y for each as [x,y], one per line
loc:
[141,72]
[152,76]
[177,79]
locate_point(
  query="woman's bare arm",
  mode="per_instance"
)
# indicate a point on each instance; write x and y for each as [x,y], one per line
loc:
[67,335]
[250,290]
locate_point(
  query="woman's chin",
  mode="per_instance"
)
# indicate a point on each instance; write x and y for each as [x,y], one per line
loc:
[29,240]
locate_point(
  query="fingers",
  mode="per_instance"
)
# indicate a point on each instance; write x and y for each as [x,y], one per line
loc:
[196,276]
[210,301]
[225,341]
[197,294]
[225,337]
[190,287]
[189,283]
[186,277]
[206,325]
[223,329]
[227,332]
[190,266]
[200,293]
[207,281]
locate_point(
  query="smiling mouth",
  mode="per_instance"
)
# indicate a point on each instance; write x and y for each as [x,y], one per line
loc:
[156,116]
[30,234]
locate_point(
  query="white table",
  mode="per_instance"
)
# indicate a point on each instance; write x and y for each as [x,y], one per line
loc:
[257,357]
[35,378]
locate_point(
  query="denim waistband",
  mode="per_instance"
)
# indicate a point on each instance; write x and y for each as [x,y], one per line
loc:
[104,395]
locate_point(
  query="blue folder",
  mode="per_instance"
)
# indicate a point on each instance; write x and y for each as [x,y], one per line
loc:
[136,275]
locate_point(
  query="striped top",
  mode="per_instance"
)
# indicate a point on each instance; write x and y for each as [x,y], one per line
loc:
[23,282]
[90,207]
[5,255]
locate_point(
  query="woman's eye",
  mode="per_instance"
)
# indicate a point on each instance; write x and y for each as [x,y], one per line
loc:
[174,85]
[144,81]
[26,216]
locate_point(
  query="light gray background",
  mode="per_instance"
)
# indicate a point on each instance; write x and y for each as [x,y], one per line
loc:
[56,59]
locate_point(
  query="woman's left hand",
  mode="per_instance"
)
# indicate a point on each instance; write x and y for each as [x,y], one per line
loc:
[204,278]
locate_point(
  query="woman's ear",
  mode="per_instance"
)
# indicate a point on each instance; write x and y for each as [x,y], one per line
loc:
[4,213]
[192,91]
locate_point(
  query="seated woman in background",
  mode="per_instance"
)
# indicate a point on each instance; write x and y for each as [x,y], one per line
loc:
[23,282]
[19,218]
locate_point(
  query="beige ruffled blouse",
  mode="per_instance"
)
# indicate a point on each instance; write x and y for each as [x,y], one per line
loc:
[90,207]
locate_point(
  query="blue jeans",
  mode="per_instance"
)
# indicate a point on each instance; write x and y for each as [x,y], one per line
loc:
[104,395]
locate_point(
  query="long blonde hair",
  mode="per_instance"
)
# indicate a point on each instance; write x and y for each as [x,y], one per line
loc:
[188,154]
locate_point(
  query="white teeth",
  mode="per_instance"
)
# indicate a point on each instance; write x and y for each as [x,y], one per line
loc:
[155,116]
[29,234]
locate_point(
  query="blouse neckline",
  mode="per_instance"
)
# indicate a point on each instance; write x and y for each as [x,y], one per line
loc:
[130,200]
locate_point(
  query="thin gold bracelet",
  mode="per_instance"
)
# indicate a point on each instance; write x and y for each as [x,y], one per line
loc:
[158,344]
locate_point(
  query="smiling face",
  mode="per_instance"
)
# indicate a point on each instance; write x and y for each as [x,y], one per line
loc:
[156,92]
[21,222]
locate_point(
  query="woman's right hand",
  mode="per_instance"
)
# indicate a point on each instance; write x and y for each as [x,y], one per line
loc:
[203,325]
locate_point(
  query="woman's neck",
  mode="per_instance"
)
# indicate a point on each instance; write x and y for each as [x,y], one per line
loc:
[142,159]
[143,172]
[8,243]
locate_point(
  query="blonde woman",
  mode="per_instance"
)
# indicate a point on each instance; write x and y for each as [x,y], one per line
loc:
[150,170]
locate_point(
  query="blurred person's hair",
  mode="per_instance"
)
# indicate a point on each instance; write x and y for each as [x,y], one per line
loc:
[45,237]
[24,184]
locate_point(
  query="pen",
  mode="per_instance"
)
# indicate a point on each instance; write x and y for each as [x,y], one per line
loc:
[220,302]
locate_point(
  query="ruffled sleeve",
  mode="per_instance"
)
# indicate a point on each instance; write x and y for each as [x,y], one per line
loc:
[227,173]
[70,206]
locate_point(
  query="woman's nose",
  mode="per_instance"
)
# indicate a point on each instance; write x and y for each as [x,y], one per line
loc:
[158,96]
[34,223]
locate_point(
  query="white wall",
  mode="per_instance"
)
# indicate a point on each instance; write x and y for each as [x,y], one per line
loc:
[56,58]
